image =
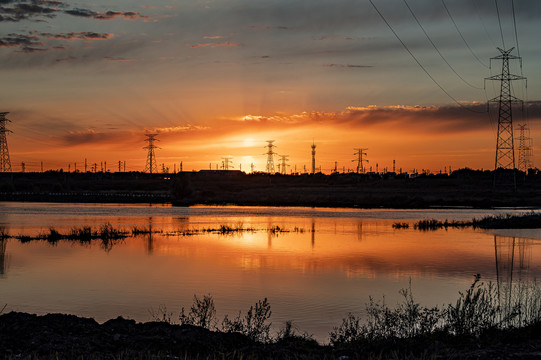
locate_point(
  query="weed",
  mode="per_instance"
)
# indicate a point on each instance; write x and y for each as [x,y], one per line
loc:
[53,235]
[3,233]
[161,315]
[254,325]
[82,234]
[202,313]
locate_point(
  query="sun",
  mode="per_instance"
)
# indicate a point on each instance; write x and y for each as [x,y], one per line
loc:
[248,142]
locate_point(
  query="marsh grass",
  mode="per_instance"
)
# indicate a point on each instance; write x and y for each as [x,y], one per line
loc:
[531,220]
[108,235]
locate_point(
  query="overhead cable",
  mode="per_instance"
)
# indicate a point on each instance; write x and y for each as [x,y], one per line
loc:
[462,36]
[437,50]
[419,63]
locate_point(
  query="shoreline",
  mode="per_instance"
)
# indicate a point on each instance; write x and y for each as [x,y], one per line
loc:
[52,336]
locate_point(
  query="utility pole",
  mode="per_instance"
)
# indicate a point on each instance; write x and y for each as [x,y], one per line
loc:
[85,164]
[119,166]
[505,149]
[151,166]
[42,166]
[5,162]
[360,152]
[23,167]
[270,156]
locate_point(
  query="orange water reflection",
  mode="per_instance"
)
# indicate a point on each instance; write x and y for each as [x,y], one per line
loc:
[313,270]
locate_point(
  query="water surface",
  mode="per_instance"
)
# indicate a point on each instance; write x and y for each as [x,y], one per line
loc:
[314,265]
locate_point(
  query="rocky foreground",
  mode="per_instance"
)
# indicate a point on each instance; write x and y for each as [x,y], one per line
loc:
[58,336]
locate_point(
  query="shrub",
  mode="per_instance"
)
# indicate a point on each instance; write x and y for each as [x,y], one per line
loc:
[202,313]
[254,324]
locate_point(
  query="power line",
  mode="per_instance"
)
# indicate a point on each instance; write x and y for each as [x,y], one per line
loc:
[462,36]
[483,23]
[437,50]
[499,22]
[418,62]
[516,33]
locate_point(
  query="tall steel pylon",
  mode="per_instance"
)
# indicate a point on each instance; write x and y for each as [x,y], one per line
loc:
[283,168]
[505,149]
[360,152]
[227,162]
[313,157]
[524,148]
[151,165]
[270,156]
[5,163]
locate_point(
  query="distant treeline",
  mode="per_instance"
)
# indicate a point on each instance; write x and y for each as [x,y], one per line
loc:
[464,187]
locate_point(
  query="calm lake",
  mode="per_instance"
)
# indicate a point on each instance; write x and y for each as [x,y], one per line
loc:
[314,265]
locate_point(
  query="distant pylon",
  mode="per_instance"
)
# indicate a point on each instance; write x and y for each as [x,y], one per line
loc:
[228,162]
[313,157]
[151,166]
[270,156]
[283,168]
[505,149]
[524,148]
[360,152]
[5,163]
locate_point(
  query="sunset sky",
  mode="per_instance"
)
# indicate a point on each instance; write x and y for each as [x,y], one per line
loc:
[216,78]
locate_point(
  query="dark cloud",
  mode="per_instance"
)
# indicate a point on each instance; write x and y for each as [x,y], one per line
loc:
[85,35]
[16,40]
[30,50]
[107,15]
[346,66]
[27,43]
[74,138]
[26,9]
[17,10]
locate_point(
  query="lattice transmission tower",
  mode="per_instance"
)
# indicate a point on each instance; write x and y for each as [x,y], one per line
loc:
[151,165]
[360,152]
[525,152]
[270,156]
[283,168]
[5,163]
[313,158]
[505,150]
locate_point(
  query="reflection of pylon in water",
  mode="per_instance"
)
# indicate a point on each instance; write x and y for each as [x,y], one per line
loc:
[150,240]
[3,244]
[513,257]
